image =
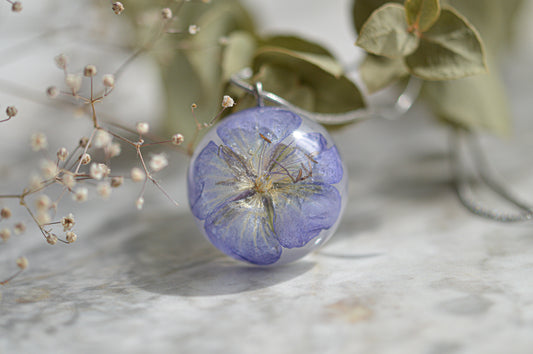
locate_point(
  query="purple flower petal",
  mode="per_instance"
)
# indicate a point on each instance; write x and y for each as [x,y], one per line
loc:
[242,229]
[303,210]
[215,177]
[242,130]
[328,168]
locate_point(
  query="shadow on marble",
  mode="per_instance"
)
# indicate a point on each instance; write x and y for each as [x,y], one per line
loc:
[173,258]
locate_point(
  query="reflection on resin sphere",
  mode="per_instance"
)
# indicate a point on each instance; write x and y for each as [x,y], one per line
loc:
[267,186]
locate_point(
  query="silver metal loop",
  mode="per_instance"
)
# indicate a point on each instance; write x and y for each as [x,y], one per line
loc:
[402,104]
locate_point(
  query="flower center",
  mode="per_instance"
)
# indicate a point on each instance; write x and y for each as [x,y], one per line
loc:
[263,184]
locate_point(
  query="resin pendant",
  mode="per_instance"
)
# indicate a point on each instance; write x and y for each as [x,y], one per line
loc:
[267,186]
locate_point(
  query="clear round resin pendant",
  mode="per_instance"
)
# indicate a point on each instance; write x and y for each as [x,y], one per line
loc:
[267,186]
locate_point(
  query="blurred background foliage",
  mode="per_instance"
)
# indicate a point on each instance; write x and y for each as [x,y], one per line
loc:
[196,67]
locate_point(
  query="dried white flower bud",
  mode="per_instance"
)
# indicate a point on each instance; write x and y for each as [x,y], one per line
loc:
[85,159]
[5,213]
[142,128]
[73,82]
[137,175]
[22,263]
[19,228]
[16,7]
[114,150]
[11,111]
[35,182]
[5,234]
[108,80]
[52,92]
[139,203]
[38,141]
[104,190]
[69,180]
[68,222]
[43,202]
[49,169]
[177,139]
[61,61]
[158,162]
[71,237]
[62,154]
[227,102]
[89,70]
[43,218]
[80,195]
[117,181]
[166,13]
[102,139]
[223,40]
[51,239]
[117,8]
[193,29]
[83,142]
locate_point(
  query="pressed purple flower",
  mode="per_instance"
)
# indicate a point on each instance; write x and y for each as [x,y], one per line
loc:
[267,186]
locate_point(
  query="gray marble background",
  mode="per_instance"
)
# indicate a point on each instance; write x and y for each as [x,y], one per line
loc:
[409,270]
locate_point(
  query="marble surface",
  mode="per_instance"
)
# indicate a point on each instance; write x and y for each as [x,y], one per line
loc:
[409,270]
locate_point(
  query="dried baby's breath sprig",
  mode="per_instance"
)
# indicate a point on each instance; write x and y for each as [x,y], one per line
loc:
[11,111]
[51,239]
[117,8]
[166,13]
[80,194]
[62,154]
[139,203]
[104,190]
[71,237]
[61,61]
[5,234]
[19,228]
[227,102]
[73,82]
[158,162]
[52,92]
[177,139]
[89,71]
[85,159]
[5,213]
[72,169]
[117,181]
[43,202]
[108,80]
[137,174]
[193,29]
[22,264]
[16,6]
[68,222]
[142,128]
[38,141]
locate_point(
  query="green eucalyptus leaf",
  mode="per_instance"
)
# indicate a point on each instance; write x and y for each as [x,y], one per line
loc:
[422,14]
[385,33]
[494,19]
[475,103]
[379,72]
[451,49]
[296,44]
[205,55]
[286,83]
[238,53]
[331,93]
[362,9]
